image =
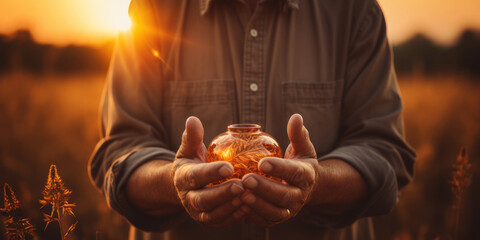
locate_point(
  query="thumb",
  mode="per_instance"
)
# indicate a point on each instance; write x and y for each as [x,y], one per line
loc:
[192,139]
[300,143]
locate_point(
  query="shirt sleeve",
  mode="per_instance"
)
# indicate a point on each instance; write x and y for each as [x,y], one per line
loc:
[131,128]
[371,129]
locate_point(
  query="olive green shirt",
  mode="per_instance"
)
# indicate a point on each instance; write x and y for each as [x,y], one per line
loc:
[328,60]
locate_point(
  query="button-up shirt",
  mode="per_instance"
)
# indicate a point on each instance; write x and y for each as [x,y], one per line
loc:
[225,63]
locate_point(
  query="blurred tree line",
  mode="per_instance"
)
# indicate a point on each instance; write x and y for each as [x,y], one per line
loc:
[19,51]
[421,54]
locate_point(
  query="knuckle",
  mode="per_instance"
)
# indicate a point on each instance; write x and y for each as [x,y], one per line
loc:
[175,171]
[189,179]
[287,199]
[305,176]
[196,202]
[302,199]
[208,220]
[309,177]
[182,195]
[183,177]
[298,174]
[293,199]
[177,181]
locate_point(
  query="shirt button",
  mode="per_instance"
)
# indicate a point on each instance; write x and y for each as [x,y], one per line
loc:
[253,87]
[253,32]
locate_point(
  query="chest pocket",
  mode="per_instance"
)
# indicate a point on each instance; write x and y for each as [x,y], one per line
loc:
[212,101]
[319,105]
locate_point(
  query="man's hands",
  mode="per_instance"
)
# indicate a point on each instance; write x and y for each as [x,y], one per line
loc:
[210,205]
[329,187]
[270,202]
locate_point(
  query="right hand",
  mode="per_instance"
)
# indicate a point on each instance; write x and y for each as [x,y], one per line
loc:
[209,205]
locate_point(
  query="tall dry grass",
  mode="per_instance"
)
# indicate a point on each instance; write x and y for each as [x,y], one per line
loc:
[16,226]
[460,182]
[54,119]
[442,114]
[56,195]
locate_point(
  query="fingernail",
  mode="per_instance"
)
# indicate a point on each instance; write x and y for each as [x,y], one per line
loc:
[225,171]
[236,188]
[266,167]
[236,202]
[250,199]
[250,182]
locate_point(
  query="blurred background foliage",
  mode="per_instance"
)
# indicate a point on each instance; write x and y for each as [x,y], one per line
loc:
[49,98]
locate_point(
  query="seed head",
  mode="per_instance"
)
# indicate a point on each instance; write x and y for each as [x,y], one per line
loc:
[461,176]
[16,227]
[11,203]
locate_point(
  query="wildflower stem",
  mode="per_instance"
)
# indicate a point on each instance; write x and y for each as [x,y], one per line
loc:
[457,217]
[60,223]
[57,195]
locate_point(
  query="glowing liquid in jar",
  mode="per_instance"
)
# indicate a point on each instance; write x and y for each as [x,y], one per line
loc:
[243,145]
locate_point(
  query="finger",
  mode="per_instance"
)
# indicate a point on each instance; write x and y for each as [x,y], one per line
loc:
[294,172]
[220,216]
[241,212]
[299,138]
[192,140]
[209,198]
[197,175]
[269,212]
[281,195]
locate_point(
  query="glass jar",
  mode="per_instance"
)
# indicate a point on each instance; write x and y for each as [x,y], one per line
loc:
[243,145]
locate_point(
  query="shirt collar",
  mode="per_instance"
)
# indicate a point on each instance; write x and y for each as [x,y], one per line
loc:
[205,5]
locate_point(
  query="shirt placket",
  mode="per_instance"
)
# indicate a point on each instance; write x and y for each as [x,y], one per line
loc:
[253,89]
[253,82]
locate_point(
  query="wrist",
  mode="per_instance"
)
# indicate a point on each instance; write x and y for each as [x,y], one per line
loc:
[338,188]
[150,188]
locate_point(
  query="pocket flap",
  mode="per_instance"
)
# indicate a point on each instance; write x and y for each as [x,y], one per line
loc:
[199,92]
[311,92]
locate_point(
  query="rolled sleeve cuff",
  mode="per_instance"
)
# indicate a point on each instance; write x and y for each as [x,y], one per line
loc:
[379,178]
[115,189]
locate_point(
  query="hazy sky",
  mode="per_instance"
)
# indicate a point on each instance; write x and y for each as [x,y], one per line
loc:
[95,21]
[443,20]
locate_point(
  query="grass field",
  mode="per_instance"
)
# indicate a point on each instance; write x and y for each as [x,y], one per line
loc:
[442,114]
[54,119]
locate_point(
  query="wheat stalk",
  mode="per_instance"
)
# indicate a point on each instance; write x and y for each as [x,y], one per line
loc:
[16,227]
[461,180]
[57,195]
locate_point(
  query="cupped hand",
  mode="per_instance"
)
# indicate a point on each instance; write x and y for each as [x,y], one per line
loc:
[270,202]
[209,205]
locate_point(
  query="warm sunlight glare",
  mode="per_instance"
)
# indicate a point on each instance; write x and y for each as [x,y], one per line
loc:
[97,21]
[117,15]
[155,53]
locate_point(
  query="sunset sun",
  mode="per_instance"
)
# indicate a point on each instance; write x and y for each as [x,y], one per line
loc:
[117,18]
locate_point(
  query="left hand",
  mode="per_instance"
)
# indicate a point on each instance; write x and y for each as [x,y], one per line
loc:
[269,202]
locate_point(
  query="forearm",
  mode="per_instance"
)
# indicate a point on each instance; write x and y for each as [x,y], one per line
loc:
[339,188]
[151,190]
